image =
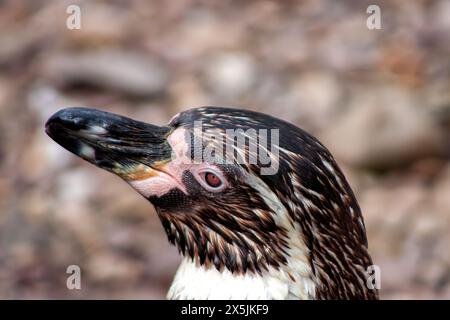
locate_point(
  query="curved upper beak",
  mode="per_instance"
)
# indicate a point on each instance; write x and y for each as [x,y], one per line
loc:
[118,144]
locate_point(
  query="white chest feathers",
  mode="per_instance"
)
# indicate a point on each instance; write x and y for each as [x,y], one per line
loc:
[196,282]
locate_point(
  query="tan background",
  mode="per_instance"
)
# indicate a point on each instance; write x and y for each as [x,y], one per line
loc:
[379,99]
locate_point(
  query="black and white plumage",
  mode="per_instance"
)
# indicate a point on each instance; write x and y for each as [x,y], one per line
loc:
[295,234]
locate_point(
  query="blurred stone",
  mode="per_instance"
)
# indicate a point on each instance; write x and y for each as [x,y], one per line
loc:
[152,114]
[231,74]
[406,231]
[76,186]
[127,205]
[46,100]
[72,205]
[33,208]
[4,92]
[288,47]
[347,43]
[404,61]
[111,268]
[440,195]
[441,249]
[128,73]
[391,279]
[437,96]
[428,223]
[16,44]
[384,129]
[43,157]
[314,98]
[163,257]
[101,24]
[381,205]
[434,272]
[441,17]
[188,92]
[358,179]
[198,32]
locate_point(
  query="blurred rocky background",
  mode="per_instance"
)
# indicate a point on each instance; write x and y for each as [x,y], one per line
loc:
[379,99]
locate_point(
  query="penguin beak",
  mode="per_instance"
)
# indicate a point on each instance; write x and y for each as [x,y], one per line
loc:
[126,147]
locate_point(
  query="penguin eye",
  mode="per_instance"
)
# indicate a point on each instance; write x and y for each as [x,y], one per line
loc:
[212,180]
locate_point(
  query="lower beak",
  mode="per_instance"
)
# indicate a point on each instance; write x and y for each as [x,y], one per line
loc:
[118,144]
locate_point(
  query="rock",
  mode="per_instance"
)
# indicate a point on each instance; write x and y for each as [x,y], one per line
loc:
[383,129]
[407,225]
[437,96]
[112,268]
[44,100]
[72,204]
[383,211]
[196,34]
[76,186]
[101,24]
[441,16]
[440,195]
[125,72]
[315,98]
[403,61]
[152,114]
[348,44]
[188,92]
[230,75]
[17,44]
[42,155]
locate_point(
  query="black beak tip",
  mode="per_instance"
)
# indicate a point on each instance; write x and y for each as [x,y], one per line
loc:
[54,119]
[57,120]
[68,118]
